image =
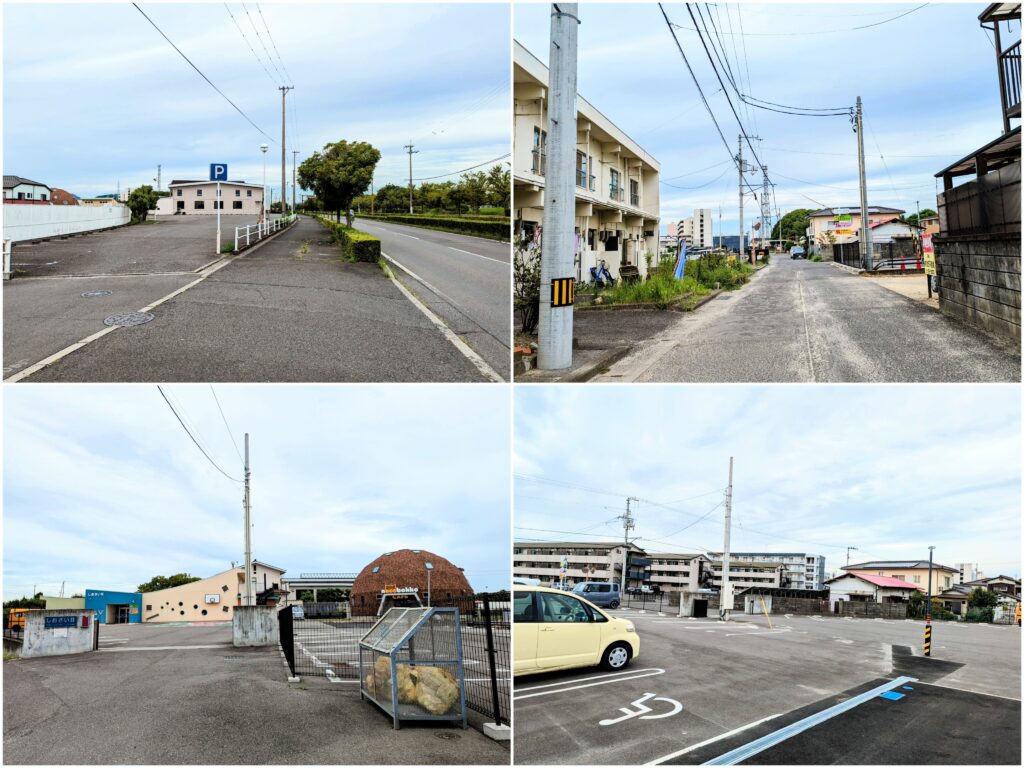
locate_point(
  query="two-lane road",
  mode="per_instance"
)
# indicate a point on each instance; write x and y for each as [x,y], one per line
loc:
[466,280]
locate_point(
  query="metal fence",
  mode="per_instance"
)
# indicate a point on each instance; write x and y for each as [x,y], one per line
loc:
[989,205]
[645,601]
[253,233]
[325,643]
[898,255]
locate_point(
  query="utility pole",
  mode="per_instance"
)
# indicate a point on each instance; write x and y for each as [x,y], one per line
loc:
[848,554]
[719,226]
[628,524]
[766,212]
[928,609]
[866,254]
[295,154]
[739,165]
[412,152]
[284,197]
[158,177]
[247,599]
[557,260]
[725,593]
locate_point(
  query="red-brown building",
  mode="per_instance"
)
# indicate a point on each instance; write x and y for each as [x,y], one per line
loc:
[405,574]
[60,196]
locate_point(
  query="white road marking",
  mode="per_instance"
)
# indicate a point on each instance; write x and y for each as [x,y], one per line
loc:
[400,234]
[712,740]
[164,648]
[618,677]
[968,690]
[488,258]
[467,351]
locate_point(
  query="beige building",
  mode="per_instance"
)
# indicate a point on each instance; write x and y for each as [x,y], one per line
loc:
[842,225]
[674,572]
[200,197]
[213,598]
[581,561]
[743,574]
[695,230]
[617,195]
[914,572]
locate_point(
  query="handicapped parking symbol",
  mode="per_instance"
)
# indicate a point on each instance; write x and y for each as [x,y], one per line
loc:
[642,710]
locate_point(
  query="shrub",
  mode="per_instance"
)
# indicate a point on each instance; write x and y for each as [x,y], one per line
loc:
[712,268]
[526,278]
[815,257]
[660,290]
[493,227]
[980,614]
[355,245]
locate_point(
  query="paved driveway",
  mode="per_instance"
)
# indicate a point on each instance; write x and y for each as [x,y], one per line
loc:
[710,687]
[801,321]
[158,694]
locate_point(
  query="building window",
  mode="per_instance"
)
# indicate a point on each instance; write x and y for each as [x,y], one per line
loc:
[236,204]
[179,193]
[224,588]
[540,150]
[238,193]
[199,205]
[614,190]
[149,607]
[376,569]
[225,609]
[181,205]
[199,193]
[634,194]
[218,193]
[581,170]
[203,611]
[248,193]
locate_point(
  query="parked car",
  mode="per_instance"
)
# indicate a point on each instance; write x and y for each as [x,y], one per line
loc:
[558,630]
[602,593]
[796,252]
[298,612]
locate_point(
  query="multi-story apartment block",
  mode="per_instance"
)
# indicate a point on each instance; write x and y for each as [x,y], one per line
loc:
[617,193]
[745,573]
[799,569]
[696,231]
[968,572]
[673,572]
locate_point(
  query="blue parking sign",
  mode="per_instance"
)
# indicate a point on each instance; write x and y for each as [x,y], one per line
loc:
[218,172]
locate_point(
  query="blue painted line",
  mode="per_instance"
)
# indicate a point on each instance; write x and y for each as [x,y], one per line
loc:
[908,688]
[740,754]
[892,696]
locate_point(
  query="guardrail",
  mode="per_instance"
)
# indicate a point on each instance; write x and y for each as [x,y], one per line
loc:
[253,233]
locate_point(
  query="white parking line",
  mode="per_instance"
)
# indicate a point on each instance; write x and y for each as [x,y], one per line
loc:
[164,648]
[618,678]
[712,740]
[488,258]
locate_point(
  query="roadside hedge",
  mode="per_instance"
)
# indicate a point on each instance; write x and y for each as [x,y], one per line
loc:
[491,227]
[355,245]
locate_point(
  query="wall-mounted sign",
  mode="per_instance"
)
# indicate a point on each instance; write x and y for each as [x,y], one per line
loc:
[209,599]
[391,589]
[55,622]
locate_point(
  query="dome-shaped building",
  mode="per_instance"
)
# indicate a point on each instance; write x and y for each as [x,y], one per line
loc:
[406,570]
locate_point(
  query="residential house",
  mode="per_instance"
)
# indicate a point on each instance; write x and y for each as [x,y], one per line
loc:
[842,225]
[870,588]
[617,192]
[24,191]
[914,572]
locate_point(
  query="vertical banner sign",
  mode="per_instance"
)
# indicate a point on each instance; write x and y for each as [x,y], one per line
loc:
[929,254]
[563,291]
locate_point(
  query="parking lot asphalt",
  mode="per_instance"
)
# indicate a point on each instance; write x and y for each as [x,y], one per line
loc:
[701,687]
[162,695]
[290,310]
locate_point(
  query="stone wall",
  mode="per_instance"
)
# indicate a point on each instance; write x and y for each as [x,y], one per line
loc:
[77,632]
[255,625]
[979,281]
[799,605]
[871,610]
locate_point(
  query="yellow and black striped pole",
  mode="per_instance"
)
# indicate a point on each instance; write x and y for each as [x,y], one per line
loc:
[928,638]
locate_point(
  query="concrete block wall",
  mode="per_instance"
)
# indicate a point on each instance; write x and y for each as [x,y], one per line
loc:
[59,641]
[979,281]
[871,610]
[255,625]
[805,606]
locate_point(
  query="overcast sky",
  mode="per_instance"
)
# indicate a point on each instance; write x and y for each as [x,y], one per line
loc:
[928,81]
[104,489]
[94,95]
[889,470]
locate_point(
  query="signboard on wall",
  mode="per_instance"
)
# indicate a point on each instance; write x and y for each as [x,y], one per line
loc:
[209,599]
[56,622]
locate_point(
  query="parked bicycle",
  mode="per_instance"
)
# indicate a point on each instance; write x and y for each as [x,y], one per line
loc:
[601,276]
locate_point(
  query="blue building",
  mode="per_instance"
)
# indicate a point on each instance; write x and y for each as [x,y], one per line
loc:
[115,607]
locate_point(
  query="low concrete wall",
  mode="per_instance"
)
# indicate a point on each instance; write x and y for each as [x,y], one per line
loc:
[35,222]
[254,625]
[979,281]
[871,610]
[41,640]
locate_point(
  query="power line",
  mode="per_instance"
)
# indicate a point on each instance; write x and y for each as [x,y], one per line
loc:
[743,34]
[194,440]
[691,173]
[262,44]
[226,426]
[246,39]
[699,186]
[272,43]
[472,167]
[186,58]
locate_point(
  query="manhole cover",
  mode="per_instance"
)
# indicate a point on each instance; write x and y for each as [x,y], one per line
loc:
[94,294]
[232,658]
[447,735]
[126,319]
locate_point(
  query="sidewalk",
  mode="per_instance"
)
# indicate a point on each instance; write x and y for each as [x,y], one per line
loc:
[290,310]
[912,286]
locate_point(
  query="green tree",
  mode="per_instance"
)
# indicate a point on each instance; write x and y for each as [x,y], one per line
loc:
[982,598]
[392,199]
[141,201]
[36,601]
[925,213]
[338,174]
[474,188]
[499,187]
[793,225]
[166,582]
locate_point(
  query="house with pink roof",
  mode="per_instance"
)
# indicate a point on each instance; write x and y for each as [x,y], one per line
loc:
[870,588]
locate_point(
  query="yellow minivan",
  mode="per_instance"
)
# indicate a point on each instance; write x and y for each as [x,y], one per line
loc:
[553,630]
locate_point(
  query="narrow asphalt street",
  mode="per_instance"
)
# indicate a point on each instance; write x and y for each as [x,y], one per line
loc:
[290,310]
[801,321]
[466,280]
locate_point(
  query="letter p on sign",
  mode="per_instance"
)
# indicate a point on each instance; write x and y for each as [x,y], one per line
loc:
[218,172]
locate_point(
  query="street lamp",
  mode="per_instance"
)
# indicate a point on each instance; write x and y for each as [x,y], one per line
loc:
[429,567]
[263,149]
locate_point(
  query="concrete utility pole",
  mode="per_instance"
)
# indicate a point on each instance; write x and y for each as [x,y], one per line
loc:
[158,177]
[284,182]
[766,212]
[928,609]
[248,597]
[739,165]
[866,254]
[725,595]
[263,202]
[557,267]
[295,154]
[848,554]
[628,524]
[412,152]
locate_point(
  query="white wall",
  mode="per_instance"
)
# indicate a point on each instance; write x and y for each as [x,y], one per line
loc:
[59,641]
[32,222]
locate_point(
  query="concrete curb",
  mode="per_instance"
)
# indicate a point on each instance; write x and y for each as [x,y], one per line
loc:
[578,375]
[845,268]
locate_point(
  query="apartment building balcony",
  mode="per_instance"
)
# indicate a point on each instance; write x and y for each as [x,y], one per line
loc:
[583,182]
[540,162]
[634,200]
[618,194]
[1009,60]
